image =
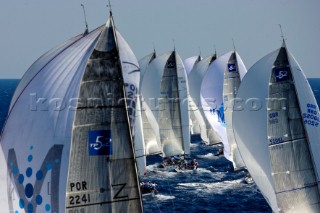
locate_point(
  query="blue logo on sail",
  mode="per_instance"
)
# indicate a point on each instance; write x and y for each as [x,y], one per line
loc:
[232,68]
[100,142]
[282,74]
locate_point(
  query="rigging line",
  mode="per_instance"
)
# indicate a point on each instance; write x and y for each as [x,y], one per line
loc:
[85,18]
[234,46]
[282,36]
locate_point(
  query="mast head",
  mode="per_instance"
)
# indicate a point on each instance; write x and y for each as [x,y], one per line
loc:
[110,8]
[282,36]
[174,45]
[85,20]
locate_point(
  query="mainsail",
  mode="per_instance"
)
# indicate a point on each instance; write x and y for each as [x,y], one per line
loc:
[102,159]
[48,108]
[232,79]
[282,154]
[166,90]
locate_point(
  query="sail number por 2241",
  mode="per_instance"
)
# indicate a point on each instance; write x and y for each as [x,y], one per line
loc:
[79,199]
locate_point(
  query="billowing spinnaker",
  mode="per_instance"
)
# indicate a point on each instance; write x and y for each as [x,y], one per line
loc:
[144,63]
[35,144]
[165,90]
[150,131]
[232,80]
[102,172]
[292,169]
[252,137]
[253,142]
[131,76]
[189,63]
[212,98]
[200,124]
[150,125]
[139,144]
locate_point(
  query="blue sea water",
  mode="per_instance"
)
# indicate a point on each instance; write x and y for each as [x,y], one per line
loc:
[215,187]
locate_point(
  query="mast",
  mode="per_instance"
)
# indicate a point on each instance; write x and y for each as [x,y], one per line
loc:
[85,20]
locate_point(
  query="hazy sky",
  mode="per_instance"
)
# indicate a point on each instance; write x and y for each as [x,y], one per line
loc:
[29,28]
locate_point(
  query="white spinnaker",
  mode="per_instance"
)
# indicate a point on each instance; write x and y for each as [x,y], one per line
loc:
[131,75]
[42,111]
[152,95]
[150,131]
[200,124]
[252,137]
[144,63]
[139,144]
[306,97]
[233,74]
[212,100]
[149,123]
[190,62]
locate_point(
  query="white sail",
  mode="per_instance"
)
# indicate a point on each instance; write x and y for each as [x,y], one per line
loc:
[234,72]
[212,101]
[190,62]
[165,90]
[139,144]
[35,162]
[144,63]
[277,153]
[216,90]
[43,107]
[150,125]
[200,124]
[102,153]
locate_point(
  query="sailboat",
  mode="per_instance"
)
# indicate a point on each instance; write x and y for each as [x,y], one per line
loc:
[67,145]
[218,91]
[165,87]
[279,142]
